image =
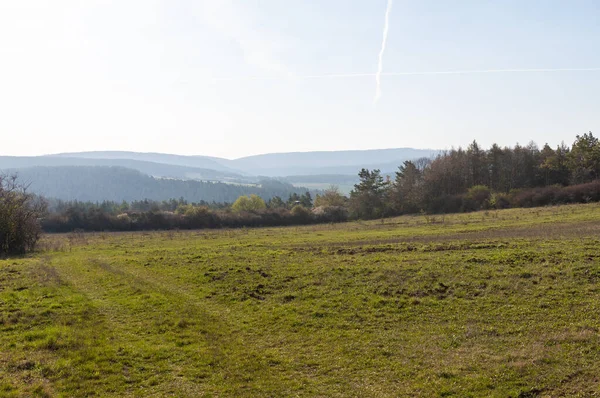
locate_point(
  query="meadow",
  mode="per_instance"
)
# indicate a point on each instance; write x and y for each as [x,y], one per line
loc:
[500,303]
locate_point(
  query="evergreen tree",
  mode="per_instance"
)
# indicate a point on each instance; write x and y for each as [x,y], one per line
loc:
[584,159]
[407,188]
[276,203]
[306,200]
[367,199]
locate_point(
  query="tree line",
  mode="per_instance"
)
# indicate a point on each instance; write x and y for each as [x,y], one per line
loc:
[456,180]
[246,211]
[474,178]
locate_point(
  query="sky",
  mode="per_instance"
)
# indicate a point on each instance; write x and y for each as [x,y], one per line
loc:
[232,78]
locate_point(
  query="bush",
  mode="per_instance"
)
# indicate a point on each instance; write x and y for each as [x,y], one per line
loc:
[583,193]
[200,217]
[536,197]
[478,196]
[301,214]
[499,201]
[555,195]
[20,212]
[330,213]
[445,204]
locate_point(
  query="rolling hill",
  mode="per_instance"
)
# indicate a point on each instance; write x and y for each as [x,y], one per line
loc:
[154,169]
[270,164]
[296,171]
[203,162]
[326,162]
[98,183]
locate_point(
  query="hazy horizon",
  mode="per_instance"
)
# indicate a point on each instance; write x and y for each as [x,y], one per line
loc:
[240,157]
[277,153]
[233,78]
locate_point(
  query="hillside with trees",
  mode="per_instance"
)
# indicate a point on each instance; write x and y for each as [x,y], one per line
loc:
[457,180]
[154,169]
[203,162]
[117,184]
[475,178]
[320,164]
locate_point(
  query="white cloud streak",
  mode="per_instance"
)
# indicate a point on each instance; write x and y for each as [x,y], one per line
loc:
[386,29]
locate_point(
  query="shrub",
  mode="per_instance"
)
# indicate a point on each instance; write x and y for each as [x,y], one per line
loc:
[445,204]
[535,197]
[479,196]
[330,213]
[200,217]
[20,212]
[554,195]
[301,214]
[499,201]
[583,193]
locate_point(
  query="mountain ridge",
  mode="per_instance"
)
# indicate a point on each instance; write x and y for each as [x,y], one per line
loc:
[155,169]
[312,169]
[279,164]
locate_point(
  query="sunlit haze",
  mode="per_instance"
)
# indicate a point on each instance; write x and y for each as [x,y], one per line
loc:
[234,78]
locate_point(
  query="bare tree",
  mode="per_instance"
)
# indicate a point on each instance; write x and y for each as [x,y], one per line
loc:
[20,213]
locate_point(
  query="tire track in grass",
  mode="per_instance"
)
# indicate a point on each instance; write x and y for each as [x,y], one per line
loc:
[51,348]
[235,360]
[166,342]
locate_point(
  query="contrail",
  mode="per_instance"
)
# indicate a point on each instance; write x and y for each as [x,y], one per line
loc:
[447,72]
[386,28]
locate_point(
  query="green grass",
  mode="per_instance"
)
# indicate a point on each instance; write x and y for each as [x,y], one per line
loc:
[502,304]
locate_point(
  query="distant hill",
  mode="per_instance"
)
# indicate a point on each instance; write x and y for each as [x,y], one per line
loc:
[315,170]
[271,164]
[146,167]
[204,162]
[98,183]
[327,162]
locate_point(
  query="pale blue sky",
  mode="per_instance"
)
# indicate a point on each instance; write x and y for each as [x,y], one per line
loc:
[228,77]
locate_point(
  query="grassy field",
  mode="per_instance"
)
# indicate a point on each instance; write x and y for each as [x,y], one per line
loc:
[502,304]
